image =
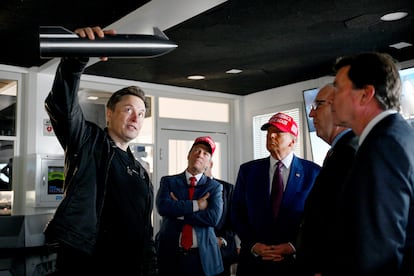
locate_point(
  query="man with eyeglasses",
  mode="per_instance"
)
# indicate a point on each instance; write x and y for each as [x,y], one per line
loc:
[317,233]
[315,105]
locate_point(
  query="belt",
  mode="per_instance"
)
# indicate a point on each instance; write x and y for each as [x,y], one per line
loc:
[191,251]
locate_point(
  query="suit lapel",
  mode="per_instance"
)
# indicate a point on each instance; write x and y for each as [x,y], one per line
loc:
[295,181]
[200,188]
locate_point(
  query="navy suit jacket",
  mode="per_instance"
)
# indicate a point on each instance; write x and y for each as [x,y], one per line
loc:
[378,208]
[251,211]
[203,221]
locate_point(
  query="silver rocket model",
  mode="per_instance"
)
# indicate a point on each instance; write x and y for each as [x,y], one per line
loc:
[60,42]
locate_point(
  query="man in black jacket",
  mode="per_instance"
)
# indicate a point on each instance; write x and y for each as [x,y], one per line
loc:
[224,230]
[317,233]
[103,224]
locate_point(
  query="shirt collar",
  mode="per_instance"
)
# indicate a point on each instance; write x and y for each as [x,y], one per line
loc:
[287,161]
[373,122]
[188,175]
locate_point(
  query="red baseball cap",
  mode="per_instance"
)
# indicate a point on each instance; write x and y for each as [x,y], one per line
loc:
[206,140]
[283,122]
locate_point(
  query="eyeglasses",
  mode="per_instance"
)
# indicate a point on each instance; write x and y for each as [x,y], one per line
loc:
[316,104]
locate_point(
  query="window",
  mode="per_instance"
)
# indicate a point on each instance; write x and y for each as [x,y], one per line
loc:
[407,95]
[196,110]
[259,136]
[8,100]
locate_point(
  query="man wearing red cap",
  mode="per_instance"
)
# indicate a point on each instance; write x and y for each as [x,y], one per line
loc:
[200,211]
[268,202]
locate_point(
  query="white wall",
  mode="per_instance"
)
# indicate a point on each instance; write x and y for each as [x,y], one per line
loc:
[44,144]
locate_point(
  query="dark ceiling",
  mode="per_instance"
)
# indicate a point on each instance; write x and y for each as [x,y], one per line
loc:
[275,43]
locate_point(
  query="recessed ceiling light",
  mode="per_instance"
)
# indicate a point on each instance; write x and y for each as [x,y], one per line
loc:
[234,71]
[393,16]
[196,77]
[401,45]
[92,98]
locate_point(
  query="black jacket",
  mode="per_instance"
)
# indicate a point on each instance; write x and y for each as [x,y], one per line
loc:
[224,228]
[88,154]
[317,235]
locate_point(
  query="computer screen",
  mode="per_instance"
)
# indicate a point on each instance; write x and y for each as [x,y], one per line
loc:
[55,180]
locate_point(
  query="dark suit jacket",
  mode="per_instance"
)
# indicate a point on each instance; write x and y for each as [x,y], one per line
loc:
[203,221]
[377,215]
[224,228]
[251,211]
[317,234]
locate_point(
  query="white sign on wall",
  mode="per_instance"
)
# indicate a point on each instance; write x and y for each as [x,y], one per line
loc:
[47,128]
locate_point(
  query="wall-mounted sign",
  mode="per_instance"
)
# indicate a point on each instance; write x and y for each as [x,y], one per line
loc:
[47,128]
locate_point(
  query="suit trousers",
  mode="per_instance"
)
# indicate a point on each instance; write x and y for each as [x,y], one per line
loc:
[183,263]
[191,263]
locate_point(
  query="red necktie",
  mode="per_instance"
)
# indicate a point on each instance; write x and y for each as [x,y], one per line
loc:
[277,189]
[187,235]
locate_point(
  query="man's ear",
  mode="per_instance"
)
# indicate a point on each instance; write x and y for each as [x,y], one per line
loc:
[108,116]
[368,93]
[293,141]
